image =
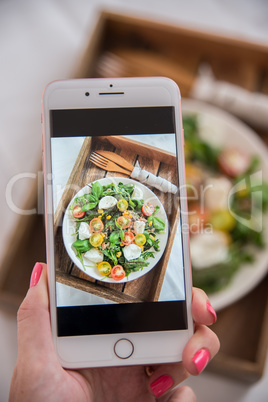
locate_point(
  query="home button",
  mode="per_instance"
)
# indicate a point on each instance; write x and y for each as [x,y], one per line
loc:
[123,348]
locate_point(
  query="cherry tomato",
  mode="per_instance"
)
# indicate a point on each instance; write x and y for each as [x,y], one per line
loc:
[233,162]
[96,239]
[124,221]
[194,178]
[118,272]
[122,205]
[77,212]
[197,218]
[140,239]
[96,225]
[104,268]
[128,239]
[222,220]
[148,209]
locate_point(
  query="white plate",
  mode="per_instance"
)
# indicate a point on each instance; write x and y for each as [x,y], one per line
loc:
[226,130]
[68,230]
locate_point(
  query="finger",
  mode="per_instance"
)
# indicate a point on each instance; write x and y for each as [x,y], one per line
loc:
[182,394]
[164,377]
[202,311]
[34,331]
[200,349]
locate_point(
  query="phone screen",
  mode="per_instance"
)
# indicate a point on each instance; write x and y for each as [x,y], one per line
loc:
[118,252]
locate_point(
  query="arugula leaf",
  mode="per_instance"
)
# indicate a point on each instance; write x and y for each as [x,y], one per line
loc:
[82,245]
[110,255]
[97,189]
[156,209]
[114,237]
[158,223]
[147,254]
[89,206]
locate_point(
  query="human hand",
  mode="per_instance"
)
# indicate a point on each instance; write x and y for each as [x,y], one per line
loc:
[38,375]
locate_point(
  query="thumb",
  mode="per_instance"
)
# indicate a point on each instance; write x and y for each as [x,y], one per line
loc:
[34,331]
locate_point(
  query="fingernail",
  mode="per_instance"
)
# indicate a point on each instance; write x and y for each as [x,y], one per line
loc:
[201,359]
[161,385]
[37,270]
[212,311]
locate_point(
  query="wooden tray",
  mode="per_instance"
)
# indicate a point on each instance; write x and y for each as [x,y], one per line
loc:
[84,172]
[240,62]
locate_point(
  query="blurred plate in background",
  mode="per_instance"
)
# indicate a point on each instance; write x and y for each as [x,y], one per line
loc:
[221,129]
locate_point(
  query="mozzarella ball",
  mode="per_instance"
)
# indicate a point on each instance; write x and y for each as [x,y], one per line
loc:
[137,193]
[216,193]
[94,255]
[131,252]
[209,248]
[139,227]
[107,202]
[84,231]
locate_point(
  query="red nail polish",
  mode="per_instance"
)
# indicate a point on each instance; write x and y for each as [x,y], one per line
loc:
[36,273]
[161,385]
[201,359]
[212,311]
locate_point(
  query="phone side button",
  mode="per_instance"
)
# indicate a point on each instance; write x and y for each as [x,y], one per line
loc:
[123,348]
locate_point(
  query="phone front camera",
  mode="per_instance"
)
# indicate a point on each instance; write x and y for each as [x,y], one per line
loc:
[111,85]
[87,93]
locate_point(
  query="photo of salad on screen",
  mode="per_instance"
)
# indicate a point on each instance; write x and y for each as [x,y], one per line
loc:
[119,229]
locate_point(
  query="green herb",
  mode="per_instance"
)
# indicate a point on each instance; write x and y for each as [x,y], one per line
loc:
[97,189]
[82,245]
[158,224]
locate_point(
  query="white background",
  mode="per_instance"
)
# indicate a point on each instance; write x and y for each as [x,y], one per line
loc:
[44,40]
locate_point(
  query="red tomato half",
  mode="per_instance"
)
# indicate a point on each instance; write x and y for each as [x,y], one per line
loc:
[128,239]
[197,218]
[118,273]
[148,209]
[233,162]
[77,213]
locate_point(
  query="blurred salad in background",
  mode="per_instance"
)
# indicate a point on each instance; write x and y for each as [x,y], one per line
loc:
[226,200]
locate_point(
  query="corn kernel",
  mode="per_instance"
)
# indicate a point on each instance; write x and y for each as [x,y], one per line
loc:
[108,217]
[150,223]
[118,254]
[122,244]
[100,211]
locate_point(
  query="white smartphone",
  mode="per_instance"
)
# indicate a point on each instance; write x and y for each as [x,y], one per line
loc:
[116,221]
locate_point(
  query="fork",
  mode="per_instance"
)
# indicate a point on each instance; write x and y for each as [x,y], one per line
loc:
[105,164]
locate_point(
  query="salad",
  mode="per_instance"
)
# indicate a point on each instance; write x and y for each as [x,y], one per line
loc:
[116,231]
[225,203]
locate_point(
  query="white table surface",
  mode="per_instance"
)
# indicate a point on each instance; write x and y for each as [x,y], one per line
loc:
[44,40]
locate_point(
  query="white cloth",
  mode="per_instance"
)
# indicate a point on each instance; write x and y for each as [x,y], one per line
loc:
[149,179]
[250,106]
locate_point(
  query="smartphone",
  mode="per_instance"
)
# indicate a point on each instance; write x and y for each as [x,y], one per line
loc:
[116,221]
